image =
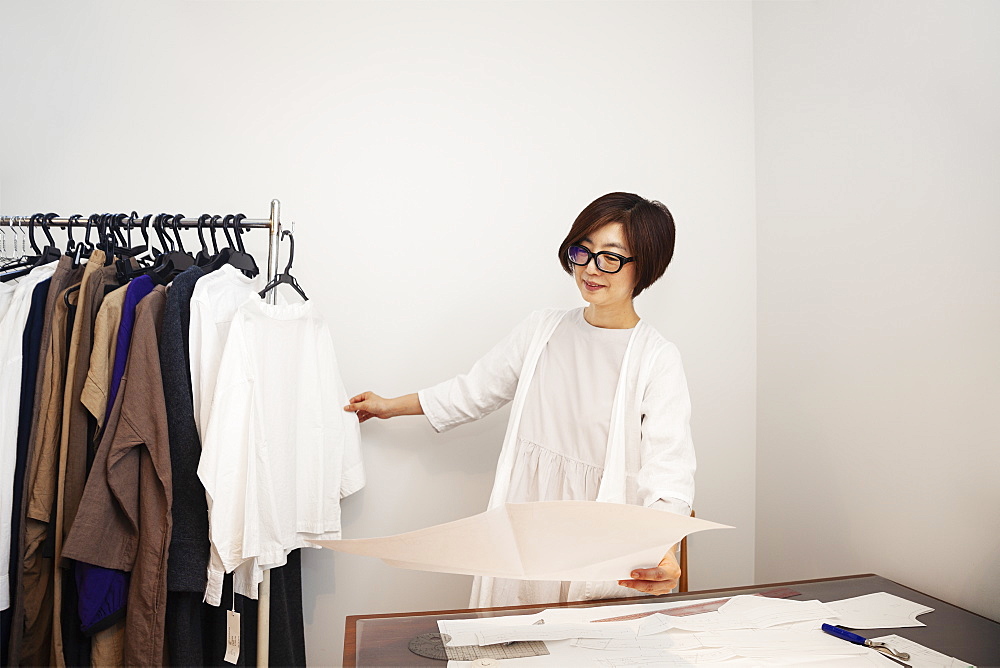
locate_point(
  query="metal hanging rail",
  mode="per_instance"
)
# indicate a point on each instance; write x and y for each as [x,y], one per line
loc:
[24,221]
[274,225]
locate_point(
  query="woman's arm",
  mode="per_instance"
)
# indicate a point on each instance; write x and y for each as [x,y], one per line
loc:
[666,474]
[666,451]
[369,405]
[490,384]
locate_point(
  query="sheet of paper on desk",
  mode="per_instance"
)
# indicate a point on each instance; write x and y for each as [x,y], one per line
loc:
[490,631]
[877,611]
[548,540]
[754,612]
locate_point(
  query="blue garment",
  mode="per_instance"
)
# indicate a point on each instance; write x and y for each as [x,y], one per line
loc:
[136,290]
[102,594]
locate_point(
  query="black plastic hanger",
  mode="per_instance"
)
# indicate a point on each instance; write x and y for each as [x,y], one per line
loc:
[174,262]
[202,258]
[225,228]
[286,277]
[241,259]
[158,228]
[70,241]
[230,255]
[51,252]
[221,257]
[211,228]
[135,251]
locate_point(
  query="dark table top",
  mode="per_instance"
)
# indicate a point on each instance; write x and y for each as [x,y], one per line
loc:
[382,640]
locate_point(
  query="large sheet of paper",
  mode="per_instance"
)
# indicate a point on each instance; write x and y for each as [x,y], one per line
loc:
[548,540]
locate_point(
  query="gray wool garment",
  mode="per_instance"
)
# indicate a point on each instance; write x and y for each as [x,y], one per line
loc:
[189,545]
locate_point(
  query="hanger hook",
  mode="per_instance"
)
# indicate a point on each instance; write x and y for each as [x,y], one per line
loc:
[202,219]
[72,220]
[226,220]
[46,222]
[211,229]
[291,249]
[86,237]
[31,232]
[239,231]
[176,223]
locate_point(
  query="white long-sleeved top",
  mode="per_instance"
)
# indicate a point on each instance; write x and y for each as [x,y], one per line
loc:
[648,458]
[16,305]
[214,302]
[278,453]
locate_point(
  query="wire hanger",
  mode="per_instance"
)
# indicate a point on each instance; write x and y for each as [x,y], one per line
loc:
[286,277]
[25,264]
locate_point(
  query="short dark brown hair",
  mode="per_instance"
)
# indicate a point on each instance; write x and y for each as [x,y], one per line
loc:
[649,232]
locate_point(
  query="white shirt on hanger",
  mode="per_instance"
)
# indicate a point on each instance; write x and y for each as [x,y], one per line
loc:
[214,302]
[277,454]
[12,324]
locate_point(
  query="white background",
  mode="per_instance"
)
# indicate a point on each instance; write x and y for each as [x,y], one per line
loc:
[832,167]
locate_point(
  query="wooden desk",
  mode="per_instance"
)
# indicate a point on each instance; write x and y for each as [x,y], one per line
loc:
[382,640]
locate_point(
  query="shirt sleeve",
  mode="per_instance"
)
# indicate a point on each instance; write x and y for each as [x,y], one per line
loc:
[198,333]
[667,463]
[490,383]
[224,467]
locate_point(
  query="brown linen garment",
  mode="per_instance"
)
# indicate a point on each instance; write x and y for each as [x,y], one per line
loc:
[124,519]
[32,632]
[75,437]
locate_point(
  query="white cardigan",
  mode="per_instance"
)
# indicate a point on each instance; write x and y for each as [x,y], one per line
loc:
[650,454]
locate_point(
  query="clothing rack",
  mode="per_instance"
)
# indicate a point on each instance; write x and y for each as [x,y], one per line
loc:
[272,223]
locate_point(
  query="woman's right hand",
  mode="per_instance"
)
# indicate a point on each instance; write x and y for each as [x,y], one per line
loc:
[369,405]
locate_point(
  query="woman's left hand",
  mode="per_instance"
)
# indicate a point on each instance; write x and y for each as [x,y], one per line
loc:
[659,580]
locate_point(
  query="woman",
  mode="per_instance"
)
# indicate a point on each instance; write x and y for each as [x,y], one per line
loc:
[600,403]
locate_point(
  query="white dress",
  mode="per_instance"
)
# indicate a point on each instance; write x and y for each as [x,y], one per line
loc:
[560,446]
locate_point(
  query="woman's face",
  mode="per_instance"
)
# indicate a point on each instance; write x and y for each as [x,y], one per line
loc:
[597,287]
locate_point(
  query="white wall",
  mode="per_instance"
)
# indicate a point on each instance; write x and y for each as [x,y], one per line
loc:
[433,156]
[878,190]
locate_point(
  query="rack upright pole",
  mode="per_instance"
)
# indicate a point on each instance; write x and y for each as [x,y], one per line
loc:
[264,589]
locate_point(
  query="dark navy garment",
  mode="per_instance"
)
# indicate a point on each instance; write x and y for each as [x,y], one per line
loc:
[30,353]
[187,565]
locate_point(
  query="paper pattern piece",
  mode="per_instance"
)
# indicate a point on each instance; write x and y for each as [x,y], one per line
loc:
[546,540]
[878,611]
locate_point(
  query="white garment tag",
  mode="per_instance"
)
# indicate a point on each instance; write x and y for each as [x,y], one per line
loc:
[232,636]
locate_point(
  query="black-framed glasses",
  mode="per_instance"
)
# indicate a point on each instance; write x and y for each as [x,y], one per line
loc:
[608,262]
